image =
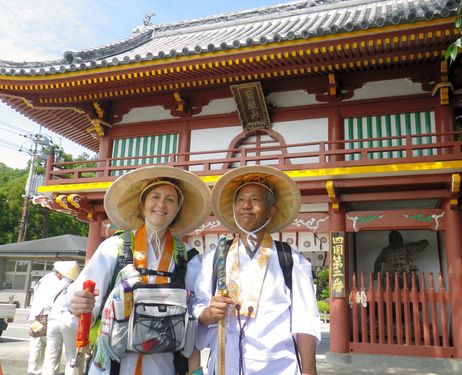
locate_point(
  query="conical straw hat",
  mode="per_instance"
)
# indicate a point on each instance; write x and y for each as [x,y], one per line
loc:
[285,190]
[122,200]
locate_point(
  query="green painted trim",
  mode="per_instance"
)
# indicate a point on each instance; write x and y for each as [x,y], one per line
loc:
[398,133]
[379,134]
[388,134]
[418,130]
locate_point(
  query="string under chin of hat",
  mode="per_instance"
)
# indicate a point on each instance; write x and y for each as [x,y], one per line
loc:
[154,233]
[252,239]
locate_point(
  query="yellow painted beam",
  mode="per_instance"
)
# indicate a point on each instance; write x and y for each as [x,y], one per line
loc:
[302,175]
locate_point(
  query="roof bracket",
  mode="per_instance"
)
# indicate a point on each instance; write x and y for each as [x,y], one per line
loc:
[332,193]
[455,191]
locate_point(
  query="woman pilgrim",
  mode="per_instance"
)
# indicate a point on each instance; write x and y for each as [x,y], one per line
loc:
[159,204]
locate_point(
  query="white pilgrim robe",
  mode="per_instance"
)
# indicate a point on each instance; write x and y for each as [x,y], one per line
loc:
[100,268]
[268,345]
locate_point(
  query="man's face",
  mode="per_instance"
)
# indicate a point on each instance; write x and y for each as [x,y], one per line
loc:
[251,207]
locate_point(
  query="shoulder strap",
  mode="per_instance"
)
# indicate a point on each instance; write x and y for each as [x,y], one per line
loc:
[192,253]
[127,246]
[286,261]
[124,257]
[180,258]
[215,265]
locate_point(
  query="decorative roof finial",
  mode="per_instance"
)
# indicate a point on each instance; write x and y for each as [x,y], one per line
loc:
[147,24]
[147,18]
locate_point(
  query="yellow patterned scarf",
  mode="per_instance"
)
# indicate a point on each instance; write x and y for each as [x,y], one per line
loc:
[248,295]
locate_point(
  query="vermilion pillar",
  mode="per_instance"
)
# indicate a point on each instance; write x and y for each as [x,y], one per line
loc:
[339,308]
[444,118]
[94,237]
[336,131]
[453,251]
[103,153]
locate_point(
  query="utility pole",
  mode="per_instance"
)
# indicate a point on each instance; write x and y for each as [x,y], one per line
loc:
[38,140]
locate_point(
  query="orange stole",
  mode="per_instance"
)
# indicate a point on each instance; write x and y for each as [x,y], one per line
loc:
[140,259]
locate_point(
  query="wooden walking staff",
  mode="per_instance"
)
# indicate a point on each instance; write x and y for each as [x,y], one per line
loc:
[83,333]
[222,291]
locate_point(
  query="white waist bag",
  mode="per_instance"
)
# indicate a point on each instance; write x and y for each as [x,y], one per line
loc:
[159,321]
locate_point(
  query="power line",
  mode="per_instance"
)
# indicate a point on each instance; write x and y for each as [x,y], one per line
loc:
[5,129]
[40,141]
[10,144]
[7,126]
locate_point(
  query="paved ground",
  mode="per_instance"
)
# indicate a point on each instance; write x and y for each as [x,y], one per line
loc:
[13,361]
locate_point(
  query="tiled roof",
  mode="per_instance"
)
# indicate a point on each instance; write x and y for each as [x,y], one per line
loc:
[272,24]
[67,244]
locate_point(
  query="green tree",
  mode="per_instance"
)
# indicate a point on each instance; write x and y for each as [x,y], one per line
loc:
[12,182]
[454,49]
[41,222]
[321,275]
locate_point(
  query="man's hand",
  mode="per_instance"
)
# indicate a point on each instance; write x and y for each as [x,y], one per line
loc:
[216,310]
[83,302]
[307,349]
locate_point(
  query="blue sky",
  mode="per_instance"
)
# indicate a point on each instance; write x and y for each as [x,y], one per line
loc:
[38,30]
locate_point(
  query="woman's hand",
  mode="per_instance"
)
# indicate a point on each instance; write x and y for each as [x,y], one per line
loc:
[83,302]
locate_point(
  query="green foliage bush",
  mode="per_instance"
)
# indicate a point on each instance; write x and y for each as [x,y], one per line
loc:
[321,276]
[454,49]
[323,306]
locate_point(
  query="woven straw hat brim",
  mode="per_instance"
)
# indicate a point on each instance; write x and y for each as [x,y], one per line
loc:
[69,269]
[122,199]
[286,191]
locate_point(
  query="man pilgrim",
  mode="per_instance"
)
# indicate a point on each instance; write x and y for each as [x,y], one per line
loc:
[267,324]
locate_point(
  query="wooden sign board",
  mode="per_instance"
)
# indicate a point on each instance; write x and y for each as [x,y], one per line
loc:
[251,105]
[337,264]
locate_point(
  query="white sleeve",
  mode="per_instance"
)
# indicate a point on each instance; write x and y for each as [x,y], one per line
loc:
[203,294]
[305,314]
[192,272]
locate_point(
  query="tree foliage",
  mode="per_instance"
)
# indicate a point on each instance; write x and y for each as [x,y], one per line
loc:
[321,275]
[454,49]
[41,222]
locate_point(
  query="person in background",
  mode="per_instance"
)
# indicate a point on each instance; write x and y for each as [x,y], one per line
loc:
[46,291]
[158,204]
[267,322]
[60,330]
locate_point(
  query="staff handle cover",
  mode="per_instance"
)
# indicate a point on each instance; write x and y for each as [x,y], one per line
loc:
[83,330]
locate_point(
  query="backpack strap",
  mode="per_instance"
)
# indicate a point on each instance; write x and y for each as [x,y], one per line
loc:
[181,258]
[192,253]
[286,261]
[127,246]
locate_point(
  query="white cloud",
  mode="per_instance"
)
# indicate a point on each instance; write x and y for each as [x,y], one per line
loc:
[39,30]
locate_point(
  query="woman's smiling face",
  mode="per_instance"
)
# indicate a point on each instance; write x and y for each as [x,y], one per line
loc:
[160,205]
